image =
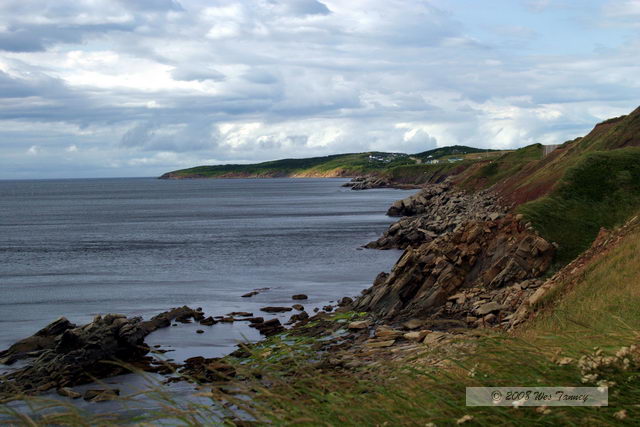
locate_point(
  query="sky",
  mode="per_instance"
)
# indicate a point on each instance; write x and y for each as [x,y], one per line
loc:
[124,88]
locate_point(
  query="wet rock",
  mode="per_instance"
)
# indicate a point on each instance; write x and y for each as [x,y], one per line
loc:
[344,302]
[199,331]
[68,392]
[208,321]
[328,308]
[81,354]
[299,297]
[101,395]
[298,307]
[45,338]
[303,315]
[276,309]
[250,294]
[207,369]
[240,314]
[268,328]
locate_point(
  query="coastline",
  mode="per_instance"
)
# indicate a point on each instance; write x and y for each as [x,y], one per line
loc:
[359,332]
[223,324]
[481,272]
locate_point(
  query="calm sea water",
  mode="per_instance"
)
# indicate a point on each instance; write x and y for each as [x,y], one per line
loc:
[78,248]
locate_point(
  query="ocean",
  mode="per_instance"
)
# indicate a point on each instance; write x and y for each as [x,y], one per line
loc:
[82,247]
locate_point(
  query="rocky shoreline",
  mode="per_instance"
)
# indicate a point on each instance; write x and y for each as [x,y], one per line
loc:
[468,263]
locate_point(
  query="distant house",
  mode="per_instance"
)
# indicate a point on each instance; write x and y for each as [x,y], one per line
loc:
[433,161]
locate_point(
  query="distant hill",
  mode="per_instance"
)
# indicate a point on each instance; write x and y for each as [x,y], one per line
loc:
[337,165]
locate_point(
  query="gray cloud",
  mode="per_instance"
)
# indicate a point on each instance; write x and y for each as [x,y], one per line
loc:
[141,87]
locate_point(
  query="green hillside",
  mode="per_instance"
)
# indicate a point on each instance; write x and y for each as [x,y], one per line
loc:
[337,165]
[601,190]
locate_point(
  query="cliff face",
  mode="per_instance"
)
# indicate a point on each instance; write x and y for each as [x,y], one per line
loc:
[480,255]
[433,211]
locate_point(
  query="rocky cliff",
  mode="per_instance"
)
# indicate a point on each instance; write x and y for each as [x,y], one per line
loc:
[434,211]
[480,255]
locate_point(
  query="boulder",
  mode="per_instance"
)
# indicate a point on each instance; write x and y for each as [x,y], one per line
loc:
[379,344]
[359,324]
[488,307]
[268,328]
[299,297]
[344,302]
[388,333]
[416,335]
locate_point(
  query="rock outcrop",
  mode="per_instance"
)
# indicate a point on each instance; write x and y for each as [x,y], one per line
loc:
[481,255]
[367,183]
[63,354]
[434,211]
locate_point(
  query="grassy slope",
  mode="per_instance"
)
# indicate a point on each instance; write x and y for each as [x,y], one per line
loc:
[601,190]
[524,175]
[601,311]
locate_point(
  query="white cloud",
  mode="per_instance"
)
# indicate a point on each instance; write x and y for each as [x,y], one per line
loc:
[148,85]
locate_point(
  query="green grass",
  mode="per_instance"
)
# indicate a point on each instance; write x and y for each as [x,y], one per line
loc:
[350,164]
[601,190]
[508,164]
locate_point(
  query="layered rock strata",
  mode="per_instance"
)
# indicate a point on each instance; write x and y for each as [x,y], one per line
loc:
[485,256]
[434,211]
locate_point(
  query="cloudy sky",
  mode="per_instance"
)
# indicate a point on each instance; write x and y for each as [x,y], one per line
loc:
[97,88]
